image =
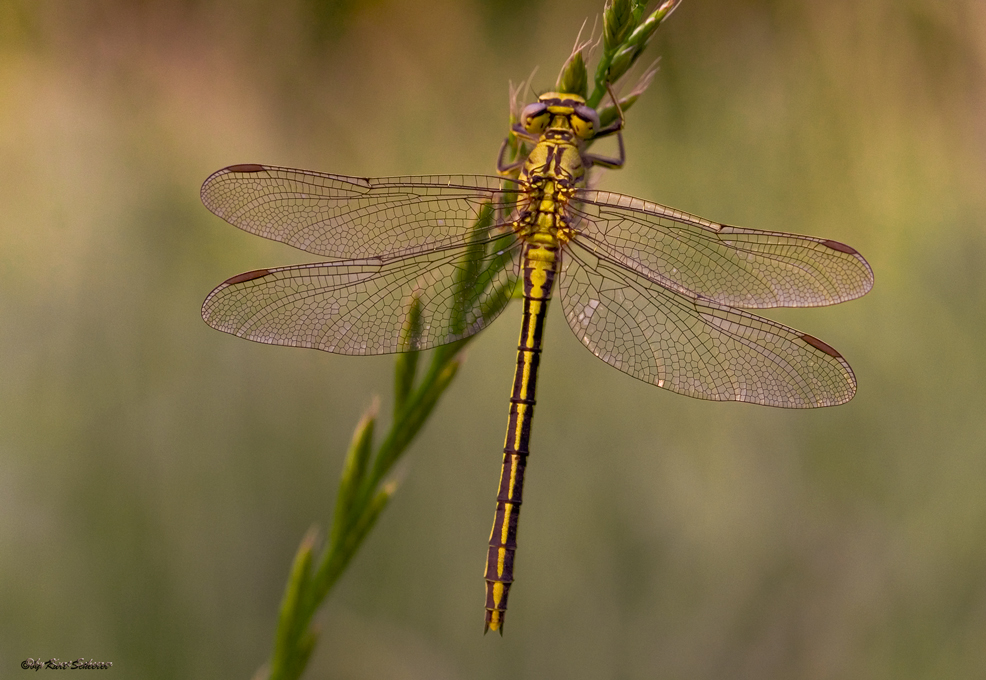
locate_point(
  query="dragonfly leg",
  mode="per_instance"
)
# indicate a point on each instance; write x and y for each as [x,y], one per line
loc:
[519,131]
[606,161]
[617,124]
[616,127]
[505,168]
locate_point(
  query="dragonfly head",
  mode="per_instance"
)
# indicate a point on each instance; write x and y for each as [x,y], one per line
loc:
[554,110]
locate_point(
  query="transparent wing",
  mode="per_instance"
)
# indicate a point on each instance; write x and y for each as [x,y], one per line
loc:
[350,217]
[364,306]
[675,339]
[737,267]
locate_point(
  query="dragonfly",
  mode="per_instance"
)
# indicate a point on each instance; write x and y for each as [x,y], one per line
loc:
[420,261]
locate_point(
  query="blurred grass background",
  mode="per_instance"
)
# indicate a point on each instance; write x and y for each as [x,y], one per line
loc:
[156,476]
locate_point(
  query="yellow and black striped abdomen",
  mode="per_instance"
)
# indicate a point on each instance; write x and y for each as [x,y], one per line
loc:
[540,262]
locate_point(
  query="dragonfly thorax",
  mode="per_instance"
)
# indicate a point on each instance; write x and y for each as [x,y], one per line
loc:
[557,156]
[552,173]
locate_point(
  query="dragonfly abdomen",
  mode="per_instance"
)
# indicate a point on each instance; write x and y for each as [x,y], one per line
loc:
[540,262]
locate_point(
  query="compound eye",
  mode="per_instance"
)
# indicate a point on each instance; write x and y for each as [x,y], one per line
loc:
[535,118]
[585,121]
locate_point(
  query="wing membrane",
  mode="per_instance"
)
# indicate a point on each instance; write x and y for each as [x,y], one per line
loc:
[363,306]
[733,266]
[693,345]
[351,217]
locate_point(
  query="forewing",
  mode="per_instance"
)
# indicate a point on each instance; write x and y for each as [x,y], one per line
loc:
[693,345]
[364,306]
[737,267]
[351,217]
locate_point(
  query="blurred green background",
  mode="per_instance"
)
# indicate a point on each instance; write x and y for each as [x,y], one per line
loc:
[156,476]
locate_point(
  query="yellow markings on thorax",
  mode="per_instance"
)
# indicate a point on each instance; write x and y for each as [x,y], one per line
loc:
[551,174]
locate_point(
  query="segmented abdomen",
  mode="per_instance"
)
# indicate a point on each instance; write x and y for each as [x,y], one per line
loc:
[540,264]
